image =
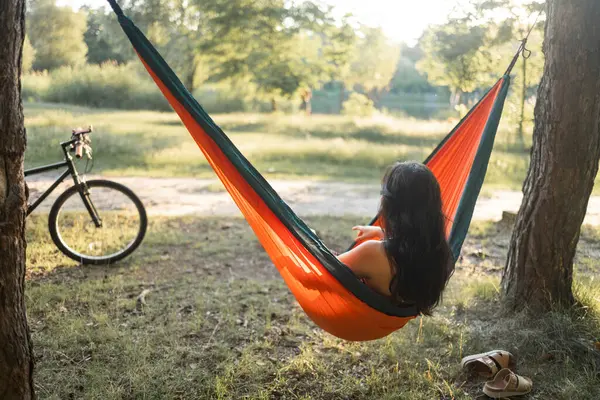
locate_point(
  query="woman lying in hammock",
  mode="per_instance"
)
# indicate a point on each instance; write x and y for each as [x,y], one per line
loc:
[409,260]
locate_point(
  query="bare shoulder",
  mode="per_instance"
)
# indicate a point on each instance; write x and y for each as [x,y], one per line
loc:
[365,258]
[372,248]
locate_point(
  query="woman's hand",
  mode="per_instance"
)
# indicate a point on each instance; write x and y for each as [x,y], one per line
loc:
[368,233]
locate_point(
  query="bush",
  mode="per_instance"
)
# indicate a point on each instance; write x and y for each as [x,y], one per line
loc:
[35,85]
[358,105]
[127,86]
[221,100]
[105,86]
[225,98]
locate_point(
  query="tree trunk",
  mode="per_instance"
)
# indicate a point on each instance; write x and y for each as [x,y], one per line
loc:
[16,355]
[306,96]
[375,96]
[520,133]
[564,160]
[342,97]
[273,104]
[189,76]
[455,97]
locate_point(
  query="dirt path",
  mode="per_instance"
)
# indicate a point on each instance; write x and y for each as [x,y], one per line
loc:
[184,196]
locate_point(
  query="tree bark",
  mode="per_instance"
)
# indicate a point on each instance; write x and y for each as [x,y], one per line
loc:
[564,160]
[273,105]
[16,356]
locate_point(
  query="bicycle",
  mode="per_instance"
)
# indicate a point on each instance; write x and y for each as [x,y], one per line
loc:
[96,221]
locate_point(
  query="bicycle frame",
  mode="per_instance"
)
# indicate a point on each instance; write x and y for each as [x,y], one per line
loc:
[71,170]
[59,180]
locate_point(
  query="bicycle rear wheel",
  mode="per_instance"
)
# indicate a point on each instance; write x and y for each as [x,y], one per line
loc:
[121,214]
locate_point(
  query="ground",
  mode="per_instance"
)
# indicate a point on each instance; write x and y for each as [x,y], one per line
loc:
[217,322]
[323,147]
[207,197]
[199,311]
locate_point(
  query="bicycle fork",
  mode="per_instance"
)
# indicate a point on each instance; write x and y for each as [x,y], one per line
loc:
[82,188]
[84,192]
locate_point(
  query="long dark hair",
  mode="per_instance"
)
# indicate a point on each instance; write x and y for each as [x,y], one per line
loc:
[415,239]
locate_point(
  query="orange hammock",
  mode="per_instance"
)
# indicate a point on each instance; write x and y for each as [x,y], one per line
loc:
[330,294]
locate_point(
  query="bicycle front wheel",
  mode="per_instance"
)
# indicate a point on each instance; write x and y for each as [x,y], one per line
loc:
[97,222]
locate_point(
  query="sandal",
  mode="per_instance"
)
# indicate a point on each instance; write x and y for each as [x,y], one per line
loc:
[506,384]
[488,364]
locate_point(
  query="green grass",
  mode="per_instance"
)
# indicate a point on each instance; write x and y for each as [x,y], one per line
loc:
[218,323]
[320,147]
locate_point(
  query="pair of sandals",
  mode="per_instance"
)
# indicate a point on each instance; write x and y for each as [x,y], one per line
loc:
[495,365]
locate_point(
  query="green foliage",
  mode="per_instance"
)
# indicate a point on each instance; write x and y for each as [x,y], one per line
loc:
[465,52]
[107,86]
[100,39]
[374,62]
[469,52]
[456,55]
[339,51]
[56,34]
[35,85]
[28,55]
[407,78]
[358,105]
[236,96]
[282,48]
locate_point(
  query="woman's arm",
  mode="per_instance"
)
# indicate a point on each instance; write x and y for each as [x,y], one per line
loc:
[368,233]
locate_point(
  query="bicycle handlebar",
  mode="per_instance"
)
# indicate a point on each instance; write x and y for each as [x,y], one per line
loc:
[79,150]
[80,142]
[81,131]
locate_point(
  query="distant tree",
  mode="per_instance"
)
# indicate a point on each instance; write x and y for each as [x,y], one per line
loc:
[513,28]
[299,70]
[56,34]
[339,52]
[100,38]
[374,62]
[324,48]
[285,49]
[456,55]
[189,30]
[469,50]
[407,78]
[28,55]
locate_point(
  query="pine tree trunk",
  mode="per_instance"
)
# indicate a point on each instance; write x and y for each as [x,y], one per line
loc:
[520,131]
[16,356]
[564,160]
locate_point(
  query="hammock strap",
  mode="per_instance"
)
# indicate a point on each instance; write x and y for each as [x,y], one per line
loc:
[116,8]
[522,48]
